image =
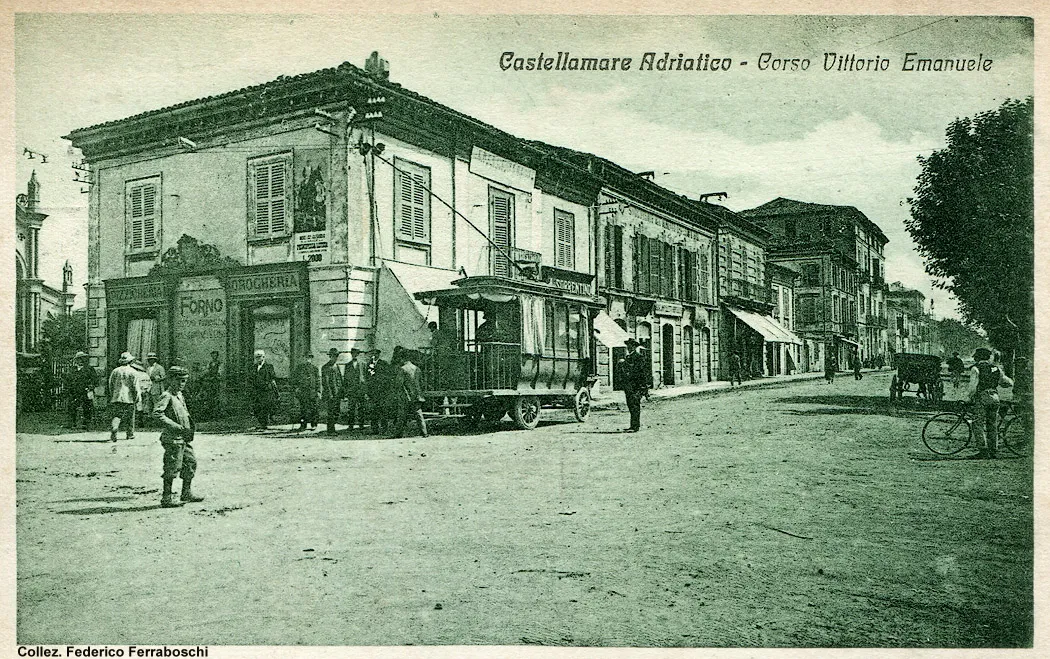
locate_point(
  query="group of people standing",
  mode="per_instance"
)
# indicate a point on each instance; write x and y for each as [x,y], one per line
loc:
[379,395]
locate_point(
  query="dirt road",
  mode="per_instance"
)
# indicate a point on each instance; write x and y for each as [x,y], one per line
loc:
[799,515]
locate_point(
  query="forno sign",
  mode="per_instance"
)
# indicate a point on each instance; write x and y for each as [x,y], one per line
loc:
[499,169]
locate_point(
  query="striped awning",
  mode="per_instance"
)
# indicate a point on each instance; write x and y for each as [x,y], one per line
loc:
[767,326]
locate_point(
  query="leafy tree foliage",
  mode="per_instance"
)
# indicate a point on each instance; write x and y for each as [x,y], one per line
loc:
[189,256]
[954,336]
[62,336]
[973,219]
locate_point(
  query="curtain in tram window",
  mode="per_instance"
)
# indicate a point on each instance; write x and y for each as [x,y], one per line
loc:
[142,337]
[533,327]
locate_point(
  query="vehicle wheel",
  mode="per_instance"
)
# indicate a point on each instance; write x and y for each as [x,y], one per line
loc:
[473,416]
[1016,436]
[527,412]
[947,433]
[494,409]
[894,394]
[582,404]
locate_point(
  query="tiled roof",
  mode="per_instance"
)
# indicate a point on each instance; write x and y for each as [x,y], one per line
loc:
[784,206]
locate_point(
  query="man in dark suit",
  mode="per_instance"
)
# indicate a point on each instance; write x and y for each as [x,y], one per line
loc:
[306,381]
[80,390]
[331,389]
[637,378]
[354,390]
[264,389]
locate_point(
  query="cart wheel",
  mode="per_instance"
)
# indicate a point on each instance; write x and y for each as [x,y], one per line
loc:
[894,394]
[582,404]
[527,412]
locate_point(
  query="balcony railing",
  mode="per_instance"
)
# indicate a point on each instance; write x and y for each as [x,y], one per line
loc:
[749,290]
[875,320]
[527,260]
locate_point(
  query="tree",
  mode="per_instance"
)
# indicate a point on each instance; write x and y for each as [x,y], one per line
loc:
[63,335]
[972,218]
[189,256]
[954,336]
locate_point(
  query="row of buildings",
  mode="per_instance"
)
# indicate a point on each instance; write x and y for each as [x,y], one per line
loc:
[327,200]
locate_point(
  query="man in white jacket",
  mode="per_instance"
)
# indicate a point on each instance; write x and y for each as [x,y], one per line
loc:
[123,397]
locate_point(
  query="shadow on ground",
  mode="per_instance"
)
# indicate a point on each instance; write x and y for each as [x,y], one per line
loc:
[870,405]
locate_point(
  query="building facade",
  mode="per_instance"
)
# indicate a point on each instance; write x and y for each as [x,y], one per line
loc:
[304,213]
[35,301]
[910,326]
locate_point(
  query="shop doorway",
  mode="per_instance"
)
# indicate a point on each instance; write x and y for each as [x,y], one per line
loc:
[705,354]
[269,328]
[667,348]
[687,355]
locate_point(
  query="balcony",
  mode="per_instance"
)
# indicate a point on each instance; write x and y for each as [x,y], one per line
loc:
[748,290]
[873,320]
[528,262]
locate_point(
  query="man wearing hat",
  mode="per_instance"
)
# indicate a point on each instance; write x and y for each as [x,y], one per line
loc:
[263,388]
[354,389]
[123,397]
[331,387]
[306,382]
[80,389]
[382,401]
[637,377]
[985,380]
[176,437]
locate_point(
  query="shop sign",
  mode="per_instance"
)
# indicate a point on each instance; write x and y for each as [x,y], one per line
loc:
[577,283]
[129,295]
[200,321]
[311,246]
[497,168]
[662,308]
[263,283]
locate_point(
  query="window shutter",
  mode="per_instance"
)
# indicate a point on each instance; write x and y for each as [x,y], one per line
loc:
[618,255]
[412,201]
[669,271]
[142,209]
[135,225]
[279,196]
[501,210]
[270,188]
[149,215]
[564,243]
[607,255]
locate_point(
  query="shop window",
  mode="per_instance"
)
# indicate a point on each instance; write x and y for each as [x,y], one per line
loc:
[564,239]
[142,210]
[142,337]
[269,196]
[412,201]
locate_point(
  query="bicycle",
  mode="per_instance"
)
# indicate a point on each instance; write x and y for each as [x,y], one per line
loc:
[949,433]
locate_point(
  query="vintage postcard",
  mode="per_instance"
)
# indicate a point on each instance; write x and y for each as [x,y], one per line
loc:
[522,333]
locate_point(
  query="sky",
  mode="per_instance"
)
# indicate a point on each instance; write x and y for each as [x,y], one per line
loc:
[849,138]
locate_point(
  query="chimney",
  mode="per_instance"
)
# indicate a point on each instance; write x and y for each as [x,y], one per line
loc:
[377,67]
[33,198]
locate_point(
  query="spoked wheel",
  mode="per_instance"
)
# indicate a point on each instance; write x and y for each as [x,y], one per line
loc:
[1016,436]
[947,433]
[582,404]
[473,416]
[527,412]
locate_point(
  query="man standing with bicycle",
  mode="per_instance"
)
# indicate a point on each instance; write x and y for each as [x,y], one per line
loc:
[985,380]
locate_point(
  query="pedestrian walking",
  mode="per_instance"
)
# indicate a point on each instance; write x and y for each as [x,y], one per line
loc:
[331,388]
[211,386]
[80,391]
[176,438]
[831,364]
[985,380]
[380,382]
[144,408]
[157,376]
[409,390]
[736,368]
[637,378]
[956,369]
[855,361]
[263,383]
[123,397]
[306,382]
[355,391]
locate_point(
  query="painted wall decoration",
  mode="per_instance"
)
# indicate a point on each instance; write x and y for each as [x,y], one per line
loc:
[311,190]
[200,322]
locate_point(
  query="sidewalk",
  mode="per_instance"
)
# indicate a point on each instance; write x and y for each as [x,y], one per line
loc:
[608,399]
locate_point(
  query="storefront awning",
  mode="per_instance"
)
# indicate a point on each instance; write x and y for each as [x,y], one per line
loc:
[767,326]
[416,278]
[849,341]
[401,319]
[608,332]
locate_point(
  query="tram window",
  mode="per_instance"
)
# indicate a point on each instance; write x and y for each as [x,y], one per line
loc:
[548,324]
[561,317]
[574,331]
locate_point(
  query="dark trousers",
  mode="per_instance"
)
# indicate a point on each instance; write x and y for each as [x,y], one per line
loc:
[634,405]
[411,409]
[263,408]
[307,409]
[331,413]
[84,405]
[379,411]
[356,409]
[856,374]
[734,376]
[179,460]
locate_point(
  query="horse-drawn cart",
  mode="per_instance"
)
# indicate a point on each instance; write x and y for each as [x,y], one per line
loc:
[509,346]
[923,371]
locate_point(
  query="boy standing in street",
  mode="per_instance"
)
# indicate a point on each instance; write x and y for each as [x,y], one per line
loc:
[985,380]
[177,439]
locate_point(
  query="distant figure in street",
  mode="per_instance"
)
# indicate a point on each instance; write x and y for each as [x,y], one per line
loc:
[331,388]
[144,408]
[123,397]
[637,378]
[80,391]
[156,375]
[306,382]
[831,364]
[985,380]
[263,382]
[855,360]
[176,437]
[736,369]
[409,390]
[211,385]
[380,382]
[956,368]
[355,391]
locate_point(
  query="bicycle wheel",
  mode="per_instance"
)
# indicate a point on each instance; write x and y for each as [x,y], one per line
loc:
[947,433]
[1015,436]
